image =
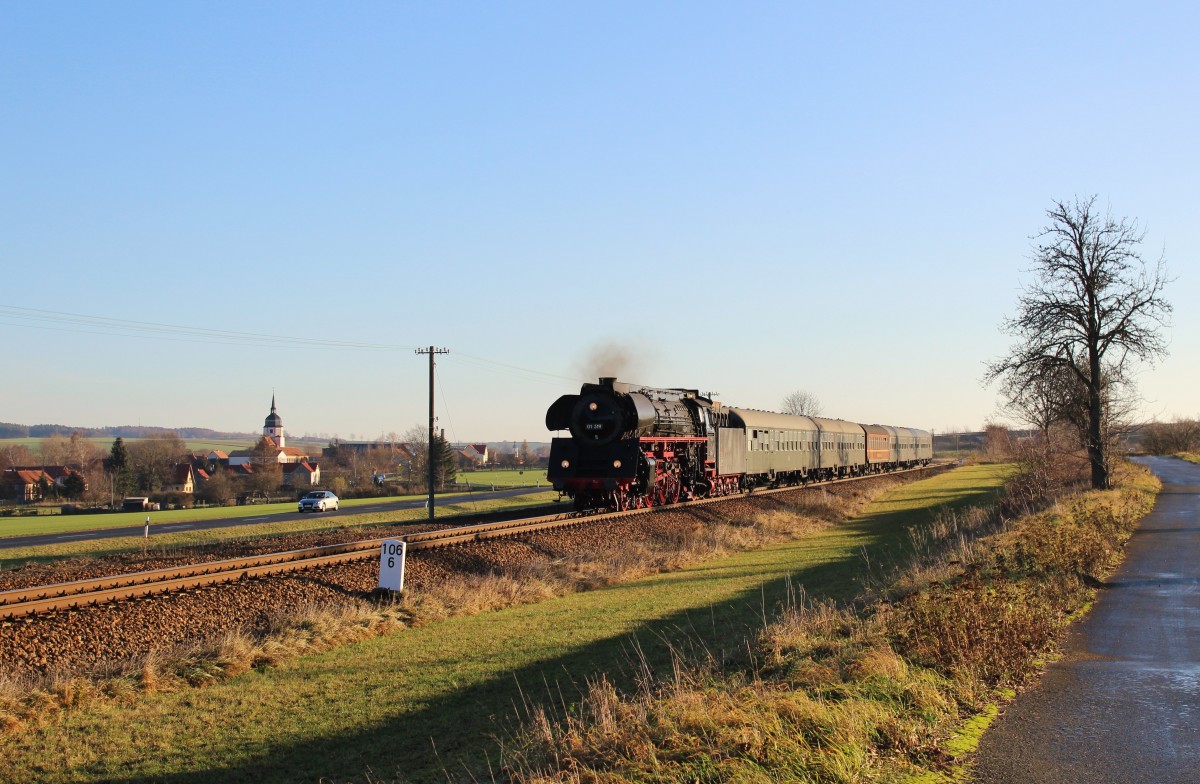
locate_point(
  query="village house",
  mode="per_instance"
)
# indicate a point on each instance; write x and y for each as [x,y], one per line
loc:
[183,480]
[30,483]
[471,456]
[302,474]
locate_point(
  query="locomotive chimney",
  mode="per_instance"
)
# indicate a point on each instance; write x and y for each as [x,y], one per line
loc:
[608,381]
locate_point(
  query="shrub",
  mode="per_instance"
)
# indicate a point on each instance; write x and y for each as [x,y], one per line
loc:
[172,500]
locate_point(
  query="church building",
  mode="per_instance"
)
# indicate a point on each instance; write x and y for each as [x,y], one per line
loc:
[273,426]
[276,440]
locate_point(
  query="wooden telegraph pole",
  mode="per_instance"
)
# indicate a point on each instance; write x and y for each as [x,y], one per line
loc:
[429,457]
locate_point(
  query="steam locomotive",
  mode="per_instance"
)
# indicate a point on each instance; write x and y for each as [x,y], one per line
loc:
[633,446]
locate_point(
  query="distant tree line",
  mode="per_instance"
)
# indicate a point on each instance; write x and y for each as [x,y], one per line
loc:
[10,430]
[1168,438]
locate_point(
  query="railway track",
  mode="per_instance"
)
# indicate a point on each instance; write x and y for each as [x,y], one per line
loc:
[37,600]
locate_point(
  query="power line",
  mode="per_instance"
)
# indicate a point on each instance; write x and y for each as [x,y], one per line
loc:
[103,325]
[78,323]
[513,371]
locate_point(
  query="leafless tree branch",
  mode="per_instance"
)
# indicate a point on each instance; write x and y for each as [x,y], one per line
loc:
[1094,309]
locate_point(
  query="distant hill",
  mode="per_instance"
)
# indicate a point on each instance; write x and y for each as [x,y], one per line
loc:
[9,430]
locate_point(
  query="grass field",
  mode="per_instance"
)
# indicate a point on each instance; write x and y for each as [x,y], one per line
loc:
[433,703]
[58,523]
[504,477]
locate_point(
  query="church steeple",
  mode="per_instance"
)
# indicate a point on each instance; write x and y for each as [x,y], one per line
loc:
[273,425]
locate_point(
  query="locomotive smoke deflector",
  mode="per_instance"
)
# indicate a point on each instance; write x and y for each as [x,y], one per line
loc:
[558,416]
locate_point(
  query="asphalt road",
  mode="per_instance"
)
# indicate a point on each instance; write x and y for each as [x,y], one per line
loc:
[1123,705]
[250,518]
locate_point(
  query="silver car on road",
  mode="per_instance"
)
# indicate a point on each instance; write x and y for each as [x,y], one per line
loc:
[318,501]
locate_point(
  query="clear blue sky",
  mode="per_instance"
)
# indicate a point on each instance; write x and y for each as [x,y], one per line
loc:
[744,198]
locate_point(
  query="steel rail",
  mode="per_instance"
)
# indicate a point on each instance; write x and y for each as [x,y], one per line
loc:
[35,600]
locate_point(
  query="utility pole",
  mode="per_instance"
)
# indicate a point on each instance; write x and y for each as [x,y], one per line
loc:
[429,458]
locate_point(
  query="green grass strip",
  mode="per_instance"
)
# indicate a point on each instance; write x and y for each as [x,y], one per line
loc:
[425,702]
[159,540]
[503,477]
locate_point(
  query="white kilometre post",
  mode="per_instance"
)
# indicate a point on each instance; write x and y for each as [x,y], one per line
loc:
[391,565]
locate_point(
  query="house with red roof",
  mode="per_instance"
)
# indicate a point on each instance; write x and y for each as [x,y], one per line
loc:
[302,474]
[183,480]
[30,483]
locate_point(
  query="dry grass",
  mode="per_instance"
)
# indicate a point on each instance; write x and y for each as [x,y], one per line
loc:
[828,694]
[540,579]
[826,700]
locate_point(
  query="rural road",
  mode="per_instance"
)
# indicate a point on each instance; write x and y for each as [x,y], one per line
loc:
[167,527]
[1123,704]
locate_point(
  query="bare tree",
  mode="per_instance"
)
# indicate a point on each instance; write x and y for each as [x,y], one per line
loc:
[1044,401]
[15,455]
[416,439]
[1095,308]
[802,403]
[220,488]
[265,479]
[997,441]
[153,459]
[75,450]
[1166,438]
[99,490]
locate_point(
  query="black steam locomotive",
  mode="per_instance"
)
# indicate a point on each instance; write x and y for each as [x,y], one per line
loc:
[634,446]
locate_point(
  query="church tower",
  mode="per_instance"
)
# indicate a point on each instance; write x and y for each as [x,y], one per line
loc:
[273,426]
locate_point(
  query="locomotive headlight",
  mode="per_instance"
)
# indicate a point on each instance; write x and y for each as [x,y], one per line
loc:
[616,464]
[593,406]
[566,464]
